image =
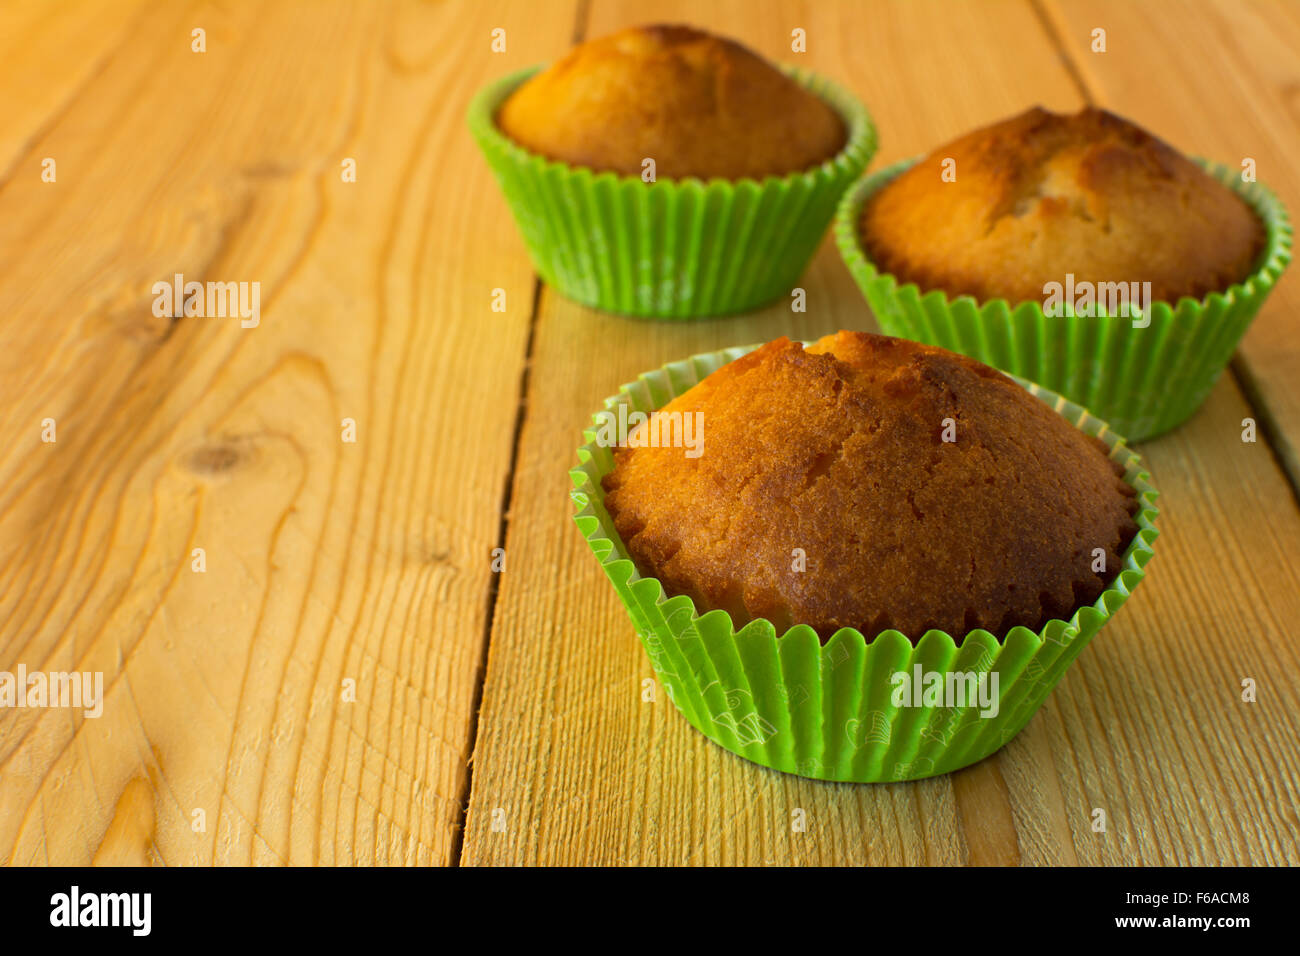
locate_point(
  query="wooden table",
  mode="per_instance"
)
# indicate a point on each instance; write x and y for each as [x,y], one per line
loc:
[348,681]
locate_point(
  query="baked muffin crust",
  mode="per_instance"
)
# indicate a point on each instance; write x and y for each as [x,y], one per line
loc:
[1042,194]
[838,450]
[699,105]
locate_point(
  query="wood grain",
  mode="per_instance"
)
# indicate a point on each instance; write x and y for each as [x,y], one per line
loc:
[326,560]
[1147,726]
[81,40]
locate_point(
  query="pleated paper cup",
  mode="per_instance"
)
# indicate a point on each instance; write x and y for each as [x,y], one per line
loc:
[671,249]
[833,711]
[1142,380]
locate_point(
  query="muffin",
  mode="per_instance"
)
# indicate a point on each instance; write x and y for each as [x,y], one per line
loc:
[749,163]
[701,106]
[1102,263]
[839,450]
[820,492]
[1043,194]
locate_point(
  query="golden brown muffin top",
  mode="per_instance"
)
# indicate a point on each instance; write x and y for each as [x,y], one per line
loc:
[697,104]
[839,450]
[1041,195]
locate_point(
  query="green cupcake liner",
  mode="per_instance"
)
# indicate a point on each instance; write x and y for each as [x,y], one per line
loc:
[673,248]
[827,711]
[1143,381]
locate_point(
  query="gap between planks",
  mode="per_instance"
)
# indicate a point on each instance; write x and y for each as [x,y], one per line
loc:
[580,20]
[1269,427]
[1057,43]
[494,582]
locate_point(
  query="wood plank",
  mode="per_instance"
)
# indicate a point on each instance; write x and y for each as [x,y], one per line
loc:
[325,560]
[1148,724]
[1219,82]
